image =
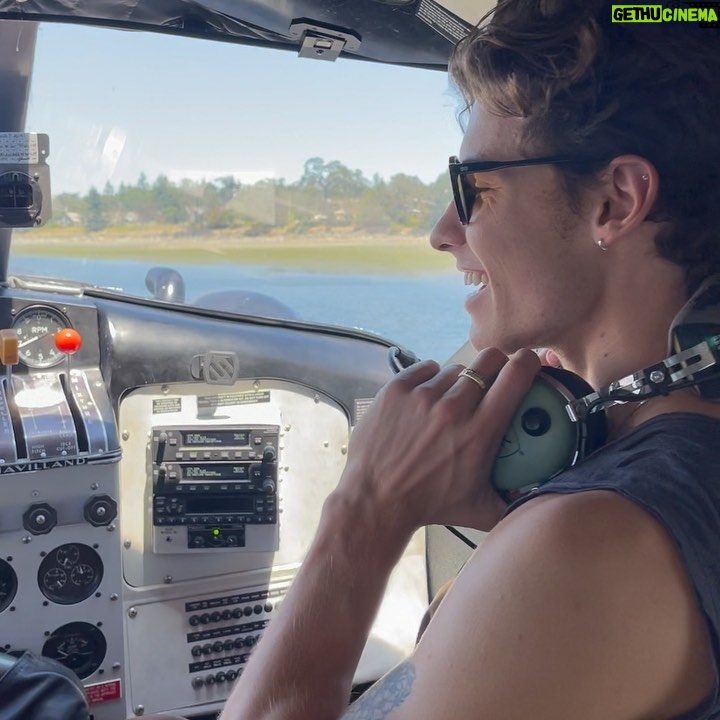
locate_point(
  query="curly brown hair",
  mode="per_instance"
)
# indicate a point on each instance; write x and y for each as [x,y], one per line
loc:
[591,88]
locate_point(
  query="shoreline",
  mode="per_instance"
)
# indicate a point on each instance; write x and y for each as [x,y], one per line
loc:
[345,252]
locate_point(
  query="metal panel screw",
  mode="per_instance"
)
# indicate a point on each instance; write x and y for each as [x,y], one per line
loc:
[168,579]
[125,435]
[657,376]
[139,709]
[127,544]
[132,612]
[114,596]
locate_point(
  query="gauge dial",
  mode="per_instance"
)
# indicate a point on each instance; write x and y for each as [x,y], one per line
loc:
[70,573]
[8,585]
[36,327]
[79,646]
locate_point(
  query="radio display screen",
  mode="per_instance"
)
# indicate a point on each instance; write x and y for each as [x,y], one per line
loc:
[223,505]
[221,438]
[216,471]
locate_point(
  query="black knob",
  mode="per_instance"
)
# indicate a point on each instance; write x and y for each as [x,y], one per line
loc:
[231,675]
[237,612]
[239,643]
[196,651]
[100,510]
[247,610]
[220,677]
[210,680]
[197,682]
[226,614]
[268,607]
[228,645]
[258,609]
[217,646]
[250,640]
[216,616]
[207,649]
[39,518]
[269,454]
[194,620]
[268,486]
[205,618]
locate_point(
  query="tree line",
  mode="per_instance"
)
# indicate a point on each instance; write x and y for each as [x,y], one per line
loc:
[328,195]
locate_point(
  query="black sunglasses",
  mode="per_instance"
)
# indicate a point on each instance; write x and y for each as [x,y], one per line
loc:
[465,192]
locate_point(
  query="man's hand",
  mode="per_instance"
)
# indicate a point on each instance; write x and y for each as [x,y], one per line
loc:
[424,452]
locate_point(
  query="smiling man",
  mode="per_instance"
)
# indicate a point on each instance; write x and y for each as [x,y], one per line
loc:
[586,212]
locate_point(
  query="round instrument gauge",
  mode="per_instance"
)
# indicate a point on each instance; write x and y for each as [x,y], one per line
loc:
[79,646]
[8,585]
[70,573]
[36,327]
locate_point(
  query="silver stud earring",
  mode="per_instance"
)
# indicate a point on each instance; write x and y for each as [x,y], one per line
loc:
[601,244]
[645,177]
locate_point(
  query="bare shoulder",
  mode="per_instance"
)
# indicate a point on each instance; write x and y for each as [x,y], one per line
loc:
[575,606]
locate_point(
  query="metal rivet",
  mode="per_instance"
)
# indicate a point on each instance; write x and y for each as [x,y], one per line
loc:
[657,376]
[132,612]
[125,435]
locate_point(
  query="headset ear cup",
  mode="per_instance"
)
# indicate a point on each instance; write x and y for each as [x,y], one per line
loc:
[596,428]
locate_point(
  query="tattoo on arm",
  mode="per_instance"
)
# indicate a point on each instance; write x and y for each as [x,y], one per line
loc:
[384,696]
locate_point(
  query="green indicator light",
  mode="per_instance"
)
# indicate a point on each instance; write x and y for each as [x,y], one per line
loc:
[215,532]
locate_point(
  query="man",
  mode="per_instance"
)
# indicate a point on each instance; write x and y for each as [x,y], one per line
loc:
[586,213]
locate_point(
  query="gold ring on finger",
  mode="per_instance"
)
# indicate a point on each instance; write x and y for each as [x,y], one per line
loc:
[476,377]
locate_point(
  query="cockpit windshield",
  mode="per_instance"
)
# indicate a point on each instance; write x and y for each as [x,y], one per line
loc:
[247,180]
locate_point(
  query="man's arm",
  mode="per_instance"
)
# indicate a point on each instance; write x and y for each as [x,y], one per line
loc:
[421,455]
[304,665]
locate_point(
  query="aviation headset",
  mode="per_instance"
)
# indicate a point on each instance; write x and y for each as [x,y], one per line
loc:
[562,419]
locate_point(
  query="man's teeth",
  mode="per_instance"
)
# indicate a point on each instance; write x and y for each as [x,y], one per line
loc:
[476,278]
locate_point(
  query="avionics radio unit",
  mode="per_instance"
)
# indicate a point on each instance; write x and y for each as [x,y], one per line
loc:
[215,488]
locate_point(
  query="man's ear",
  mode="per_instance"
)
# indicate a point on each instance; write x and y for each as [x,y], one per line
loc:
[627,193]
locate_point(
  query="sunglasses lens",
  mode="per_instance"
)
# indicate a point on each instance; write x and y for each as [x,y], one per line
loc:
[469,193]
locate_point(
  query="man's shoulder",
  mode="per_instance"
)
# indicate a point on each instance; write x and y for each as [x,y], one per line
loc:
[571,579]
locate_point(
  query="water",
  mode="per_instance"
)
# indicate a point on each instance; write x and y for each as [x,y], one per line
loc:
[422,312]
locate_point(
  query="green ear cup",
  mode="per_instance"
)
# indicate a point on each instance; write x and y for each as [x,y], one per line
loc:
[540,441]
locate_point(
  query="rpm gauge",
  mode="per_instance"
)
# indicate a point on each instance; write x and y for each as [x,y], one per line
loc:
[36,327]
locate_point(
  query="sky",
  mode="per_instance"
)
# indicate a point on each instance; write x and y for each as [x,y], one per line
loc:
[118,103]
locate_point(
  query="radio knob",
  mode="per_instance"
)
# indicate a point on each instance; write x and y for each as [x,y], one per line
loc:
[228,645]
[231,675]
[220,677]
[205,618]
[216,616]
[194,620]
[237,613]
[250,640]
[239,643]
[226,615]
[210,680]
[206,649]
[217,646]
[196,651]
[269,454]
[268,486]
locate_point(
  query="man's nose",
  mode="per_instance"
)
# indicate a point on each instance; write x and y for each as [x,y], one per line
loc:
[448,232]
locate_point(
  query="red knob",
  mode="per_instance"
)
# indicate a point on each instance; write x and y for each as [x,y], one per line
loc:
[68,341]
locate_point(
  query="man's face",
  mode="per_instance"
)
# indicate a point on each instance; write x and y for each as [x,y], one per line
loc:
[534,257]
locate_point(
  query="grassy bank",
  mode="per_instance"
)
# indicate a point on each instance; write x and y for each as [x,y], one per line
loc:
[344,252]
